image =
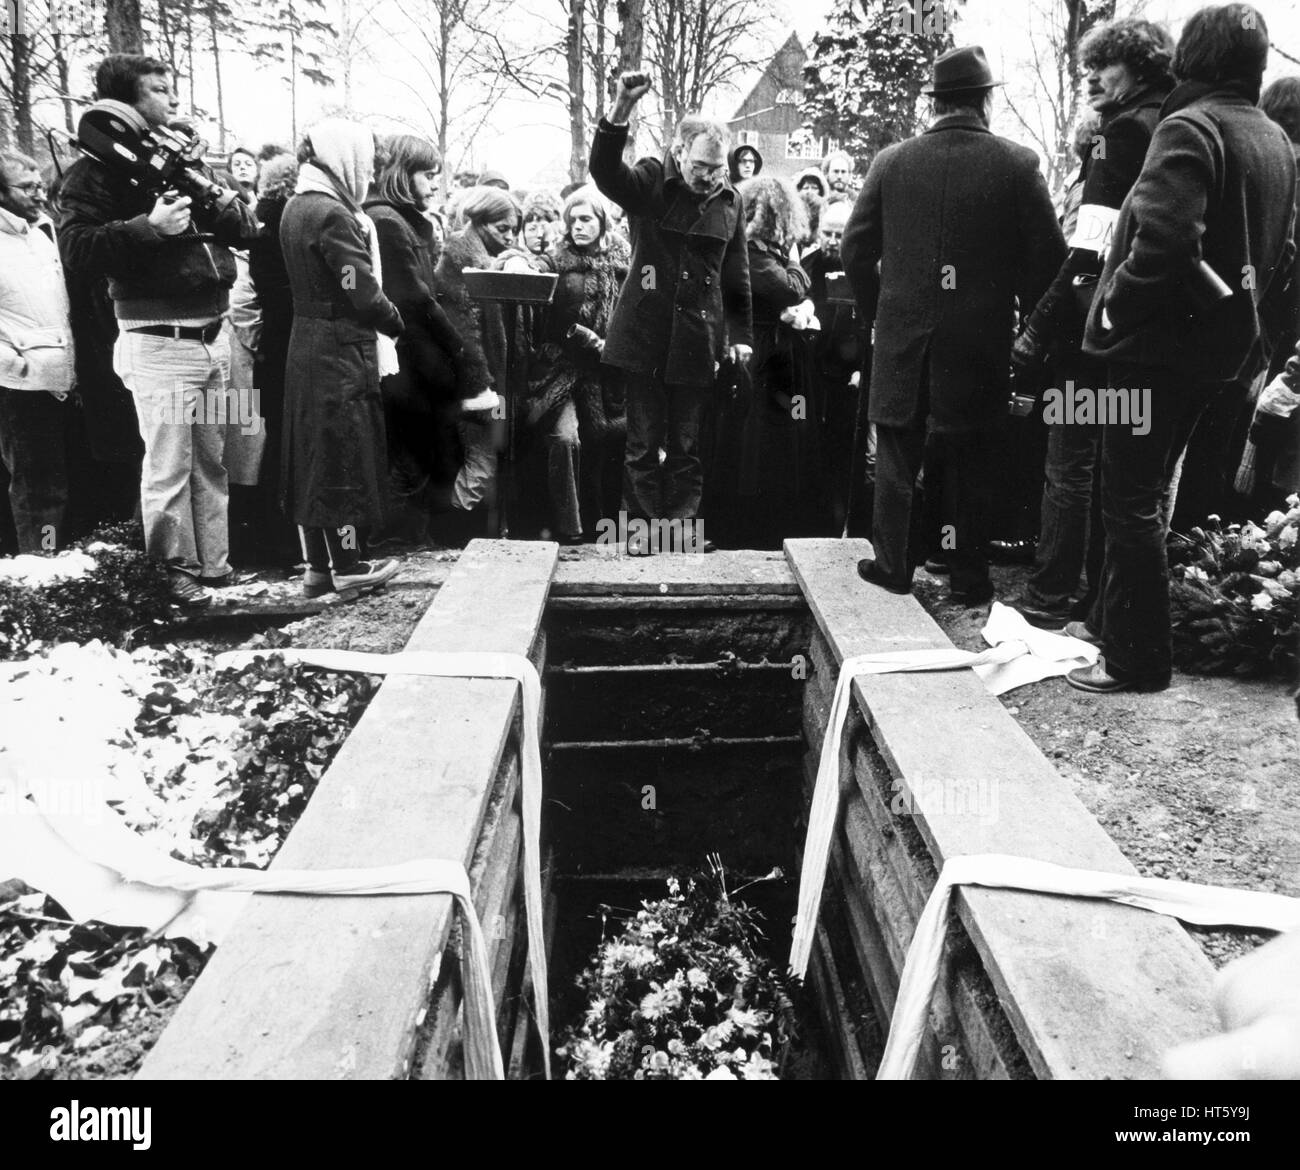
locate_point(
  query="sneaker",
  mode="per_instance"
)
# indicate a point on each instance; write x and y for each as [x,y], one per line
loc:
[484,400]
[187,592]
[364,577]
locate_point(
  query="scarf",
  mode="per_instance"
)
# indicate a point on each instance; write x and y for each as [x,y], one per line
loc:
[341,170]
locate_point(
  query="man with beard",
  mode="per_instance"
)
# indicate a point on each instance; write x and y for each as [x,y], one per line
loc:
[685,302]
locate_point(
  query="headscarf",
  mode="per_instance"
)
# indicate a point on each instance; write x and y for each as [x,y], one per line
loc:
[343,168]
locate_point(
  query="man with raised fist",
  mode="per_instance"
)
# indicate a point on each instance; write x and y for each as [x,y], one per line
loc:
[685,303]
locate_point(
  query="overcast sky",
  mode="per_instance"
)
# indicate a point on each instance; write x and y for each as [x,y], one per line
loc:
[526,139]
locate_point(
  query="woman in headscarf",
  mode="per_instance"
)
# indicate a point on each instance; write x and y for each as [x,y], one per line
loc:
[422,400]
[572,394]
[335,461]
[767,481]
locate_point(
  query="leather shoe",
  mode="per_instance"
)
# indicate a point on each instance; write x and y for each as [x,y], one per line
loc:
[1042,619]
[869,570]
[1097,680]
[937,567]
[1080,631]
[976,595]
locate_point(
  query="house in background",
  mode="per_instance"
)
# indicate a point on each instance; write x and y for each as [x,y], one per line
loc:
[769,119]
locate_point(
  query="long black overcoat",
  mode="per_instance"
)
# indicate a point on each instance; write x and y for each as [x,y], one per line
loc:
[963,226]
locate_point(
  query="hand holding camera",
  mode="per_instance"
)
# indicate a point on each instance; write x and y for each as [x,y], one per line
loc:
[171,214]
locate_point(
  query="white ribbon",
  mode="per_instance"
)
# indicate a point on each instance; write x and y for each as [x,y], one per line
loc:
[1202,905]
[96,867]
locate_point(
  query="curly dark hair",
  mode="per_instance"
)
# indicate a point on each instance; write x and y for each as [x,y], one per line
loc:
[1145,47]
[775,212]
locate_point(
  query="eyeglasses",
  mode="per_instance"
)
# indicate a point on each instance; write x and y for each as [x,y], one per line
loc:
[704,171]
[33,185]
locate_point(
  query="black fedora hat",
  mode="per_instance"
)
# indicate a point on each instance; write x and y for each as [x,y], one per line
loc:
[961,69]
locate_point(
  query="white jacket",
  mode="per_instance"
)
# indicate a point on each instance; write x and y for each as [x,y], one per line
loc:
[35,334]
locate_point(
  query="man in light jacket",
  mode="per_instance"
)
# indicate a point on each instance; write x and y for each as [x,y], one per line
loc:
[35,361]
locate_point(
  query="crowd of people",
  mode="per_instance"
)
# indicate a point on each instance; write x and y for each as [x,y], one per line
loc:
[290,367]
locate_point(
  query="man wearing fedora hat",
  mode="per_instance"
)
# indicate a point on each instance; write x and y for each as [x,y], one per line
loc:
[962,226]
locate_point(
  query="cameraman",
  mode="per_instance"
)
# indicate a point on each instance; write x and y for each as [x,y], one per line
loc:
[170,288]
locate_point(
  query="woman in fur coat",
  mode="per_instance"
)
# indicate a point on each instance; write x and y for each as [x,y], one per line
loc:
[569,388]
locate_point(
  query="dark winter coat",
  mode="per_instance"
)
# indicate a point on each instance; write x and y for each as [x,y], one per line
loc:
[480,326]
[687,291]
[430,347]
[1110,168]
[269,275]
[1218,184]
[104,230]
[841,342]
[335,459]
[962,224]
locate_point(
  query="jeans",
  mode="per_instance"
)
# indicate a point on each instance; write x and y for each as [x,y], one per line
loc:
[32,447]
[477,477]
[1132,615]
[671,417]
[559,436]
[1070,532]
[957,469]
[179,388]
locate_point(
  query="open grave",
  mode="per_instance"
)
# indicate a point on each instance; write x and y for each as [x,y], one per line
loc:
[685,700]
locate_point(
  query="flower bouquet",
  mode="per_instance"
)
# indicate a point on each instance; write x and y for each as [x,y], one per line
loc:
[683,994]
[1235,593]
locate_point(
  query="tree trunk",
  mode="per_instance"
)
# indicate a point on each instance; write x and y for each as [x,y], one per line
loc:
[345,39]
[216,64]
[631,41]
[600,70]
[124,27]
[65,81]
[22,90]
[189,49]
[577,96]
[444,101]
[293,77]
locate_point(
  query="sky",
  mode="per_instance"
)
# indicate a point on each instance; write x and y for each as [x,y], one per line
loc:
[529,139]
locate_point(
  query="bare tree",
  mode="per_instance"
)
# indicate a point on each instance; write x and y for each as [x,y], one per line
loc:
[696,49]
[1047,108]
[125,28]
[469,65]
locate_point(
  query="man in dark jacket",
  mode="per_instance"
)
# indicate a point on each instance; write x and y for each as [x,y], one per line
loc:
[1128,80]
[170,288]
[962,224]
[686,295]
[1201,252]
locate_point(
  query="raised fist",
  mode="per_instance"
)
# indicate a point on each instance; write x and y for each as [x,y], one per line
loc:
[633,85]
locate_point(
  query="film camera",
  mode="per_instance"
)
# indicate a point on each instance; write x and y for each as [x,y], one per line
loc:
[153,158]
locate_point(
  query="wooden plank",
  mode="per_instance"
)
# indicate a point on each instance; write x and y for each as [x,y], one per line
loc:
[310,988]
[600,571]
[834,1010]
[641,603]
[1092,990]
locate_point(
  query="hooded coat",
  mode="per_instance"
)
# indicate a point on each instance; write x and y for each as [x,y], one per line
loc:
[813,173]
[335,458]
[733,161]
